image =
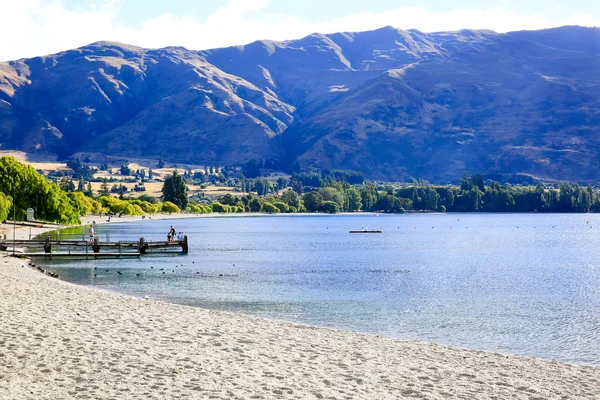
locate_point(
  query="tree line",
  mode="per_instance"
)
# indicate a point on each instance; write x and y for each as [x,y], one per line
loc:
[22,187]
[473,194]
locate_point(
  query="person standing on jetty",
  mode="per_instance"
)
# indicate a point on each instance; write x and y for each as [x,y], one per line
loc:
[91,232]
[171,234]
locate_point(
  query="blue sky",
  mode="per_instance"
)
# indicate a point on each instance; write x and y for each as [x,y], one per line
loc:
[134,12]
[38,27]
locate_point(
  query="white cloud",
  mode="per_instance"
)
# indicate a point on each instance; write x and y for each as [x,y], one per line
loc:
[36,27]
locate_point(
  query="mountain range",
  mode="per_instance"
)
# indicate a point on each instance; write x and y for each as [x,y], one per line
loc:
[391,103]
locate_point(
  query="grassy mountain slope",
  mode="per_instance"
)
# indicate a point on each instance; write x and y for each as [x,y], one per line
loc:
[389,102]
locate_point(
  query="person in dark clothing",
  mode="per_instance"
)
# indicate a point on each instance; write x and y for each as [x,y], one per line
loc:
[171,235]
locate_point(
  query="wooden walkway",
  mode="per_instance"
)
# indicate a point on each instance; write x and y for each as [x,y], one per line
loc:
[96,248]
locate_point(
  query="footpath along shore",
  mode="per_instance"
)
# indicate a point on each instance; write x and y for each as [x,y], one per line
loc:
[63,341]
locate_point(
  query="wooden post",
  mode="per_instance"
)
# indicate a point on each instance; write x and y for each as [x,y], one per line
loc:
[48,245]
[95,246]
[184,245]
[142,246]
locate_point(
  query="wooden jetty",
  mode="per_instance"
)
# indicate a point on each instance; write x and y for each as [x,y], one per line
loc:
[96,248]
[365,231]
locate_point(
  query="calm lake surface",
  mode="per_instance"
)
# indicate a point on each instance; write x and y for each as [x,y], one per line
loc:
[514,283]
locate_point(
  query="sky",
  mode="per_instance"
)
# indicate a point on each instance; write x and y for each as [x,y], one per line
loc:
[30,28]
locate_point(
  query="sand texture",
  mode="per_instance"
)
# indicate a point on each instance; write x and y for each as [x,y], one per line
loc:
[62,341]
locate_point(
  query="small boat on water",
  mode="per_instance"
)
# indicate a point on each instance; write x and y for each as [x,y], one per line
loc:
[365,231]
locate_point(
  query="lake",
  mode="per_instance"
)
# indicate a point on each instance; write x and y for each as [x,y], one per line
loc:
[514,283]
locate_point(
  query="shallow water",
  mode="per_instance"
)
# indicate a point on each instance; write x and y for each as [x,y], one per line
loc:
[516,283]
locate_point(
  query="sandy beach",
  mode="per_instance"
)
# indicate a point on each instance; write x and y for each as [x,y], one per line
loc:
[62,341]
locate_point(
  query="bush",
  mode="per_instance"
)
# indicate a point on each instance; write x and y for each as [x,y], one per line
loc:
[118,206]
[170,208]
[219,208]
[145,206]
[269,208]
[194,208]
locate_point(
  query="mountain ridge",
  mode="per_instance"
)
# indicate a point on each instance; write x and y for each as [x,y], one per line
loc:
[389,102]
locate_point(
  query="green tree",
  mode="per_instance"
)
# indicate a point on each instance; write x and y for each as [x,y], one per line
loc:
[477,181]
[388,203]
[5,206]
[283,207]
[354,200]
[281,183]
[312,201]
[262,187]
[369,197]
[31,189]
[66,184]
[125,170]
[330,207]
[88,190]
[291,198]
[175,190]
[254,205]
[473,199]
[104,190]
[333,194]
